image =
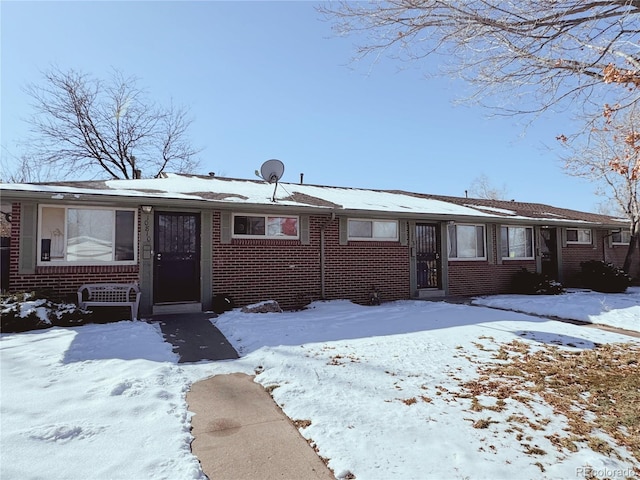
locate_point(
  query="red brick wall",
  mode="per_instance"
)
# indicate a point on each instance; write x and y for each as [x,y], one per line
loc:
[483,278]
[352,270]
[478,278]
[573,254]
[64,280]
[253,270]
[616,255]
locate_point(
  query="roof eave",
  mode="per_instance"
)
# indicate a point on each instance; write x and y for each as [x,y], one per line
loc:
[171,202]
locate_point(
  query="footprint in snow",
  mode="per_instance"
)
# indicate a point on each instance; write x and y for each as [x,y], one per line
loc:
[63,433]
[128,388]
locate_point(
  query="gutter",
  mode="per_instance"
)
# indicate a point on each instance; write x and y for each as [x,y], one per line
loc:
[186,200]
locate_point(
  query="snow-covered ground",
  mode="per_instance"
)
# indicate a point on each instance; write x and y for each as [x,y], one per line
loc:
[380,386]
[620,310]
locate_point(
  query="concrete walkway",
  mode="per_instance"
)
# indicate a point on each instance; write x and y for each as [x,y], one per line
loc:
[241,434]
[239,431]
[194,337]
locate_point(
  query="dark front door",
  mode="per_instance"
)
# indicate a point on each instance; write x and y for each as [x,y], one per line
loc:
[176,264]
[4,262]
[549,252]
[428,255]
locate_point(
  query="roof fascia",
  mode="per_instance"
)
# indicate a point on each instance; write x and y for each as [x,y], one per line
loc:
[157,202]
[274,207]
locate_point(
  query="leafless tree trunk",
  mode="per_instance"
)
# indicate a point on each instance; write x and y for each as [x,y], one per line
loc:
[82,124]
[611,157]
[533,53]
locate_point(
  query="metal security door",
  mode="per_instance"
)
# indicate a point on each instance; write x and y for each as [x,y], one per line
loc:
[428,269]
[176,264]
[549,252]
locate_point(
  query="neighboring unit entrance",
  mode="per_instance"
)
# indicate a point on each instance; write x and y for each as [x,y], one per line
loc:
[176,261]
[428,269]
[549,252]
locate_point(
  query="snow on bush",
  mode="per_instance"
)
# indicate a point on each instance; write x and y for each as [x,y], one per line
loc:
[26,311]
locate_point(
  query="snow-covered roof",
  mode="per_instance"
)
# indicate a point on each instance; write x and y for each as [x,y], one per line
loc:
[241,192]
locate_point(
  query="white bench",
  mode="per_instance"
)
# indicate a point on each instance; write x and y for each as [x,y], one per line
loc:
[110,295]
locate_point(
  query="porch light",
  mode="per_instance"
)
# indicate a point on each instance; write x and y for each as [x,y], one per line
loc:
[147,208]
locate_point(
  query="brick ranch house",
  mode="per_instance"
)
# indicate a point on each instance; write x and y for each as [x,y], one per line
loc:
[186,238]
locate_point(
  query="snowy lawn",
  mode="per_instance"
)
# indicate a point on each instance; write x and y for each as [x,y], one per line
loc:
[615,309]
[392,391]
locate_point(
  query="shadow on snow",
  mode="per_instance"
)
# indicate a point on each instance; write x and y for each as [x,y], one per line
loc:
[342,320]
[124,340]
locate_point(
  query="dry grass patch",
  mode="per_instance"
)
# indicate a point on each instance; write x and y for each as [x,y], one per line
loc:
[476,406]
[567,443]
[533,450]
[480,346]
[342,360]
[596,390]
[483,423]
[301,424]
[271,388]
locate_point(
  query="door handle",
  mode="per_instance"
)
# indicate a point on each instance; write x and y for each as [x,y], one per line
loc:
[158,256]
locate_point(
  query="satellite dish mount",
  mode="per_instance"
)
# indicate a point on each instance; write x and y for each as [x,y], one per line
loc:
[272,171]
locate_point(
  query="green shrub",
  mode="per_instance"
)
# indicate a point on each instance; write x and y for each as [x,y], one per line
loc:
[26,311]
[603,277]
[533,283]
[22,312]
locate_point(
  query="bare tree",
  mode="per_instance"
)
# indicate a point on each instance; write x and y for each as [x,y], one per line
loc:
[24,169]
[534,53]
[609,207]
[82,124]
[528,57]
[481,187]
[612,157]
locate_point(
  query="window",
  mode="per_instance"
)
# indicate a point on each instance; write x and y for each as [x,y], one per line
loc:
[516,242]
[384,230]
[578,235]
[86,235]
[466,242]
[265,226]
[622,237]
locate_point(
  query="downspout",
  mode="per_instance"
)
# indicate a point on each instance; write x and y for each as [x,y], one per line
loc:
[322,292]
[323,254]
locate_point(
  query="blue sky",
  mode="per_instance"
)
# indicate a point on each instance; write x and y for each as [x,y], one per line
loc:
[270,80]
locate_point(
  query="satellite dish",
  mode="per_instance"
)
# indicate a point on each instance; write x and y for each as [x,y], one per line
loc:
[272,170]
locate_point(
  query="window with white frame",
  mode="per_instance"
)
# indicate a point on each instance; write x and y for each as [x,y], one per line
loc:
[265,226]
[516,242]
[621,237]
[383,230]
[579,235]
[86,235]
[466,242]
